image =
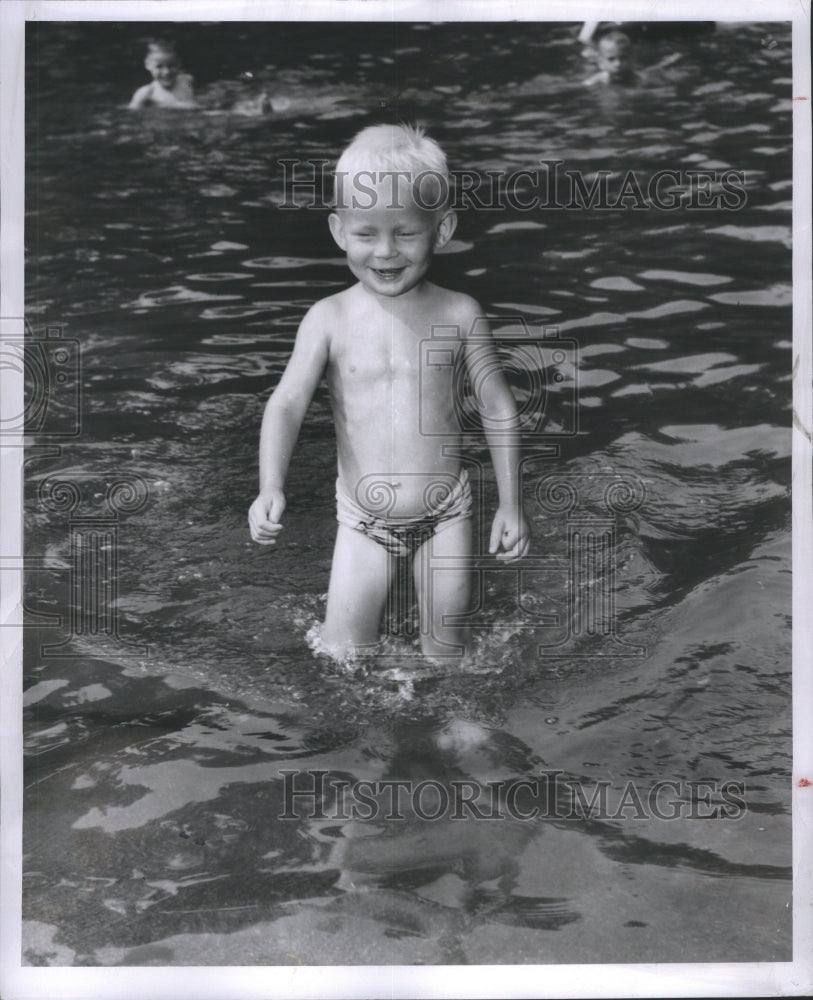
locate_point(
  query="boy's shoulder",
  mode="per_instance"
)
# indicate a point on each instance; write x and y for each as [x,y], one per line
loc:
[332,305]
[328,313]
[143,95]
[457,306]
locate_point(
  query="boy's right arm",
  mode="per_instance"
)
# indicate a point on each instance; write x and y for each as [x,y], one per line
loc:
[284,413]
[140,98]
[587,32]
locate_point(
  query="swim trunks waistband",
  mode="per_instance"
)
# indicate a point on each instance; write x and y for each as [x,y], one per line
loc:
[403,536]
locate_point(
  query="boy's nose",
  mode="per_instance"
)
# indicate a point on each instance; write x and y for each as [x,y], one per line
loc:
[385,247]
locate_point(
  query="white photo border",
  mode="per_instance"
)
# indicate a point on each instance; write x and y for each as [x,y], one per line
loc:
[708,979]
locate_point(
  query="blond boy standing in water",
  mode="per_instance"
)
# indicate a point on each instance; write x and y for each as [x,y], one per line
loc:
[400,492]
[170,88]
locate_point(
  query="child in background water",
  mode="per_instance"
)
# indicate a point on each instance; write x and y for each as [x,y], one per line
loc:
[170,88]
[613,54]
[612,50]
[401,490]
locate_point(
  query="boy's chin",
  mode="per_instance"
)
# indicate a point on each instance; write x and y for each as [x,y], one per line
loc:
[387,289]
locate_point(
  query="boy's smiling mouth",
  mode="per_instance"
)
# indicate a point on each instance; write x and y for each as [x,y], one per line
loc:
[389,273]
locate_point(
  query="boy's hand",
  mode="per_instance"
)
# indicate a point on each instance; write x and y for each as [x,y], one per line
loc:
[510,532]
[264,516]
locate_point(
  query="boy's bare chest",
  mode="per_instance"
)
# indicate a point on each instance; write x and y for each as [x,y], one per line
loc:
[379,356]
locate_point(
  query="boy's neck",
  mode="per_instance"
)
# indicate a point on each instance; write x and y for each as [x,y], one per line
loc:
[394,303]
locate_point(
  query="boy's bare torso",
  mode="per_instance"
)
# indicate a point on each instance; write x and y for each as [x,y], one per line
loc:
[179,94]
[385,396]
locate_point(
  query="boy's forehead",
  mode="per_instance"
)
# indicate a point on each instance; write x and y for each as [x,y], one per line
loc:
[389,191]
[382,211]
[619,45]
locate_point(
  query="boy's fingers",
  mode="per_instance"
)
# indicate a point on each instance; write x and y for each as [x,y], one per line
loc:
[263,527]
[265,534]
[507,536]
[267,528]
[496,536]
[509,556]
[517,551]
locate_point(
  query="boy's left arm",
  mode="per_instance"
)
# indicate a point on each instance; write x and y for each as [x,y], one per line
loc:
[510,534]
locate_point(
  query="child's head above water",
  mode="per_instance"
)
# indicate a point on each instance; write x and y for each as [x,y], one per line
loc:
[392,159]
[162,62]
[391,207]
[170,86]
[614,54]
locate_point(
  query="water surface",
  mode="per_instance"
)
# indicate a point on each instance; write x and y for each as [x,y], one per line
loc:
[153,769]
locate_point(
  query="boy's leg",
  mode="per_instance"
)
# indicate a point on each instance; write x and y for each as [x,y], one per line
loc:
[359,581]
[443,584]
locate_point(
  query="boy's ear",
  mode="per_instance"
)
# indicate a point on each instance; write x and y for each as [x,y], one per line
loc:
[334,220]
[446,229]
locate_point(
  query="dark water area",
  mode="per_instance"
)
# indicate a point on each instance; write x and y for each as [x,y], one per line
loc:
[157,827]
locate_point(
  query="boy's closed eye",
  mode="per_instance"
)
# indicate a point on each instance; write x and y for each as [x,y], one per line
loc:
[372,236]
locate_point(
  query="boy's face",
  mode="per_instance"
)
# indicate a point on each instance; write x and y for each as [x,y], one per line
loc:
[612,58]
[389,249]
[164,68]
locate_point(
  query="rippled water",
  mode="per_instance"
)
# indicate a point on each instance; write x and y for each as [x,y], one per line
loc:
[156,241]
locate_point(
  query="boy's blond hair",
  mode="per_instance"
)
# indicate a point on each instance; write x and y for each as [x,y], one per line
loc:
[379,152]
[160,47]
